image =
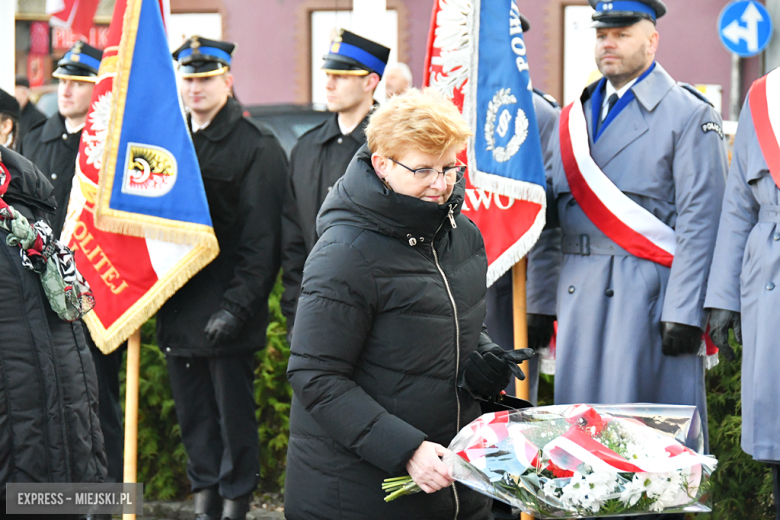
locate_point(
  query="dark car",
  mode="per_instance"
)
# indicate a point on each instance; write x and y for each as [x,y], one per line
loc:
[288,122]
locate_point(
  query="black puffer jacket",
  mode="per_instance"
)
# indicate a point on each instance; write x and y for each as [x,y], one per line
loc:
[377,347]
[49,429]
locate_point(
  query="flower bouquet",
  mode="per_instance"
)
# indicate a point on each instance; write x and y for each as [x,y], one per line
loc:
[576,461]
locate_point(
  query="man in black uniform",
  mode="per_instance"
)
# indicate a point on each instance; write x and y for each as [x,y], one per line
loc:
[30,114]
[244,171]
[53,145]
[354,66]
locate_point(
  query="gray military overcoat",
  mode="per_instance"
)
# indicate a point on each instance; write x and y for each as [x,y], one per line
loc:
[745,271]
[660,152]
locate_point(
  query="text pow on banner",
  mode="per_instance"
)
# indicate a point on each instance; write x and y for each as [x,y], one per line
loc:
[138,219]
[477,57]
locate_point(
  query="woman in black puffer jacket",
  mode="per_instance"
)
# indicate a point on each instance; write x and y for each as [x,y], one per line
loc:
[390,315]
[49,428]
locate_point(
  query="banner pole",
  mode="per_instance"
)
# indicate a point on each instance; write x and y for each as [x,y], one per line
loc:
[131,410]
[519,320]
[520,329]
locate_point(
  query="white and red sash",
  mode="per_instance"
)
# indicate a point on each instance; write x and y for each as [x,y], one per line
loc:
[624,221]
[765,109]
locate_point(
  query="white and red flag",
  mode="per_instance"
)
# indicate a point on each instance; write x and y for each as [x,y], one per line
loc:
[476,56]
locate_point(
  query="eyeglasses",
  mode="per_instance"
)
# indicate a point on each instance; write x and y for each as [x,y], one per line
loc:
[427,176]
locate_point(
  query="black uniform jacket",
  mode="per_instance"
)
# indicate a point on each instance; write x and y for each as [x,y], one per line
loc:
[30,116]
[391,306]
[53,150]
[49,427]
[244,171]
[318,160]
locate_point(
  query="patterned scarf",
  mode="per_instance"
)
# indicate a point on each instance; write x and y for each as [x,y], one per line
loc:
[66,289]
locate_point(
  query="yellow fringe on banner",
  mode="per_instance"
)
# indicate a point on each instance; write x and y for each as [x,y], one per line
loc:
[108,340]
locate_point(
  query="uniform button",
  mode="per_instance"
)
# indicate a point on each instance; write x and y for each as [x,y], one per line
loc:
[64,137]
[53,175]
[610,293]
[571,289]
[340,140]
[776,236]
[168,349]
[770,286]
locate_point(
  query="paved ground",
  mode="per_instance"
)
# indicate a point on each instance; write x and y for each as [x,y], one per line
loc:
[163,510]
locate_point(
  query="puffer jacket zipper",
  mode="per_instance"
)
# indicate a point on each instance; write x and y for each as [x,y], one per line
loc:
[451,217]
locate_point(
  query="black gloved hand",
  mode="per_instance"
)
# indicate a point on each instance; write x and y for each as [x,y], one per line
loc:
[540,330]
[678,338]
[488,372]
[223,325]
[720,322]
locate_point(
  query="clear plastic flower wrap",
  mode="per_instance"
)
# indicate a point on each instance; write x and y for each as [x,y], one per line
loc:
[577,461]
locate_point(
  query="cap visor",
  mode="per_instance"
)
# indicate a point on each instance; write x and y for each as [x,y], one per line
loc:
[346,66]
[622,21]
[66,74]
[189,71]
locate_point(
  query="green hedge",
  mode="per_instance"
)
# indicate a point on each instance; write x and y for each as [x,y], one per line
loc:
[742,487]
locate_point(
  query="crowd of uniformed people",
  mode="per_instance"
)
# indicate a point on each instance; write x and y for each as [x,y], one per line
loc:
[395,340]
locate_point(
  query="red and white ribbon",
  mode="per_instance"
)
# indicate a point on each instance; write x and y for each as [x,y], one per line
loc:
[765,109]
[627,223]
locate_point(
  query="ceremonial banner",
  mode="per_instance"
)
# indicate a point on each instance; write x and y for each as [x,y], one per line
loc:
[137,174]
[76,14]
[476,56]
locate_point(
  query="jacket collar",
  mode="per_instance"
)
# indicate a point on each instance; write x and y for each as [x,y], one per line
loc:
[360,199]
[223,122]
[331,129]
[653,88]
[649,92]
[53,128]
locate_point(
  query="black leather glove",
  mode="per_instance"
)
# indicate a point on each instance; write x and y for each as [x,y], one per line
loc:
[223,325]
[678,338]
[540,330]
[488,372]
[720,322]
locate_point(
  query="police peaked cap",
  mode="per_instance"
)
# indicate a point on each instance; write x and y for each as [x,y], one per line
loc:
[200,57]
[356,56]
[80,63]
[9,105]
[623,13]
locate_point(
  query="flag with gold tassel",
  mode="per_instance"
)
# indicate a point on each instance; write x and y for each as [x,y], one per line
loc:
[138,219]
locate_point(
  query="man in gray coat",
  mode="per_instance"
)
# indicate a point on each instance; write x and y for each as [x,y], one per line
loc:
[544,264]
[638,175]
[744,275]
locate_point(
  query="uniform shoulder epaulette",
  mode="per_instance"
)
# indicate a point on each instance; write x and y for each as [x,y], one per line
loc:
[37,124]
[693,90]
[314,128]
[547,97]
[259,126]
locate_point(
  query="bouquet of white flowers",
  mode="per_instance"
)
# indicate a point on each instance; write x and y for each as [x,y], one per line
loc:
[579,461]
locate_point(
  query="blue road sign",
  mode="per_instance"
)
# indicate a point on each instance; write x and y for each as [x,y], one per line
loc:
[745,27]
